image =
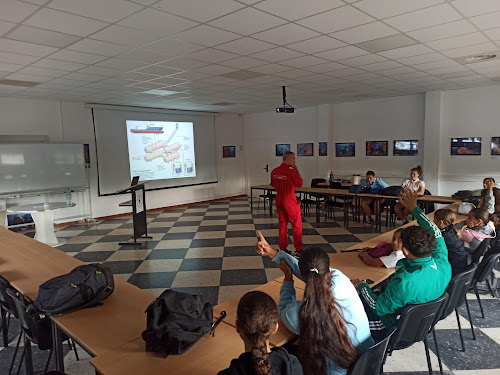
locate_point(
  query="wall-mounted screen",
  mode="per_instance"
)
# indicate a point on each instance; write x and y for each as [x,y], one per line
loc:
[405,148]
[376,148]
[495,146]
[345,149]
[466,146]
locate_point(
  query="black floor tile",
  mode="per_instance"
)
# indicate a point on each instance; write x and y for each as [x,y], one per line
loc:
[94,256]
[242,212]
[242,277]
[218,217]
[158,230]
[186,223]
[491,312]
[197,264]
[179,236]
[167,254]
[116,238]
[187,213]
[115,221]
[128,266]
[329,224]
[267,226]
[73,247]
[239,221]
[143,245]
[96,232]
[305,232]
[165,219]
[241,233]
[341,238]
[274,241]
[268,263]
[152,280]
[362,230]
[210,294]
[209,242]
[239,251]
[217,209]
[212,228]
[81,227]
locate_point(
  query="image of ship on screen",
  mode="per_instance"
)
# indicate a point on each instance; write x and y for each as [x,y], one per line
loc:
[149,129]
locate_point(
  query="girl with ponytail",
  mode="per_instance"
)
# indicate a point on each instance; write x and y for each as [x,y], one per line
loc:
[331,320]
[256,321]
[414,183]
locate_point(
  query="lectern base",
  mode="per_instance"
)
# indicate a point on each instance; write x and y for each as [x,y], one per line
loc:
[135,243]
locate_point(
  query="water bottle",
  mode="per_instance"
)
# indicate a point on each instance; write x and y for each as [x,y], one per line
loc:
[68,197]
[331,176]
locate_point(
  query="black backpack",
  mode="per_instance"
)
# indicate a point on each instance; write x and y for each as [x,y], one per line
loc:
[85,286]
[176,321]
[392,191]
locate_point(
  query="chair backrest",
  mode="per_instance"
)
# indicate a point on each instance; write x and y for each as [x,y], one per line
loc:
[22,312]
[316,181]
[480,250]
[415,322]
[457,290]
[5,300]
[369,362]
[485,267]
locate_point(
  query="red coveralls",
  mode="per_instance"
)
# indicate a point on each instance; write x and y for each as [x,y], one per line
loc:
[284,179]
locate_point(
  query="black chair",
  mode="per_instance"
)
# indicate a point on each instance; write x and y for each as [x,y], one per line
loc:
[484,268]
[457,295]
[427,207]
[370,362]
[267,196]
[34,330]
[415,322]
[480,251]
[7,309]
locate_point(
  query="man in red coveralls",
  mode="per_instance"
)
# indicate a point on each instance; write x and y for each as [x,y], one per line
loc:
[284,179]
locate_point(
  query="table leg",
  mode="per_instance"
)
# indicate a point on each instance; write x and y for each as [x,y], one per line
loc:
[318,206]
[44,227]
[58,347]
[270,205]
[251,200]
[346,212]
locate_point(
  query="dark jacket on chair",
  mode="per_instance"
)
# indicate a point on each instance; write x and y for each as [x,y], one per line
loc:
[456,252]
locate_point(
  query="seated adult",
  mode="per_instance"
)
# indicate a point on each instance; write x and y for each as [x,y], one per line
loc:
[419,278]
[331,322]
[384,254]
[490,196]
[372,185]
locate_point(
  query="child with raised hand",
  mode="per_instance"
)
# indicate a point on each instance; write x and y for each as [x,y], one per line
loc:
[476,228]
[256,321]
[384,254]
[331,322]
[457,256]
[490,196]
[421,277]
[414,183]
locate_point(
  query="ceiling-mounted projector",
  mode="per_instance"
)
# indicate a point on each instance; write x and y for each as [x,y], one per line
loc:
[287,108]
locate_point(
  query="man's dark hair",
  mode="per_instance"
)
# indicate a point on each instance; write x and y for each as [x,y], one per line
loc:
[489,178]
[370,173]
[418,241]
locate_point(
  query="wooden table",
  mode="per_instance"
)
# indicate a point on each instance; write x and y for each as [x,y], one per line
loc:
[207,357]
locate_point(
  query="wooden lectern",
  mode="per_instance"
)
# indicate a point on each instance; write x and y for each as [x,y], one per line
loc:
[138,204]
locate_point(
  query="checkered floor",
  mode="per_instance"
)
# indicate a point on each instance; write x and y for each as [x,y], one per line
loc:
[208,249]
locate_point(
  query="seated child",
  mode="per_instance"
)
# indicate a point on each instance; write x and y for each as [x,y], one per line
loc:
[495,219]
[384,254]
[490,196]
[422,277]
[332,324]
[476,228]
[256,321]
[444,220]
[372,185]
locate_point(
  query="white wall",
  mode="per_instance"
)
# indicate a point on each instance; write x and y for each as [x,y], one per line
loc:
[72,123]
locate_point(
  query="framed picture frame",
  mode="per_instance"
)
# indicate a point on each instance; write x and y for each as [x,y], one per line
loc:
[376,148]
[495,145]
[86,155]
[282,148]
[405,148]
[323,149]
[228,151]
[466,146]
[344,150]
[305,149]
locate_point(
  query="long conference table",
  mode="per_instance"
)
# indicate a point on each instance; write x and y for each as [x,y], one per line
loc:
[111,332]
[348,199]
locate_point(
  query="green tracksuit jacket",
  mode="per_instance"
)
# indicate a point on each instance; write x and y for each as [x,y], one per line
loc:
[415,280]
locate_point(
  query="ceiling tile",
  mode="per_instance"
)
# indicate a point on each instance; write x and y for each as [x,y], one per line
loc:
[64,22]
[315,45]
[295,73]
[494,34]
[325,68]
[389,8]
[42,72]
[399,53]
[277,54]
[245,46]
[183,63]
[215,69]
[381,66]
[212,55]
[158,70]
[207,36]
[342,53]
[16,58]
[56,64]
[470,50]
[16,11]
[336,19]
[244,62]
[424,18]
[474,8]
[487,21]
[190,75]
[247,21]
[24,48]
[157,22]
[78,57]
[5,27]
[40,36]
[370,31]
[387,43]
[420,59]
[304,61]
[294,10]
[125,35]
[458,41]
[27,77]
[447,69]
[99,70]
[363,60]
[446,30]
[192,9]
[98,47]
[7,67]
[173,46]
[436,64]
[271,68]
[121,64]
[108,11]
[286,34]
[145,56]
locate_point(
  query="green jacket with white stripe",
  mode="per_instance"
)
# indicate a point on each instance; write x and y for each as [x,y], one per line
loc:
[415,280]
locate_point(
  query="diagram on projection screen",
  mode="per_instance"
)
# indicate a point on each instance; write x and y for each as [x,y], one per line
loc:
[160,150]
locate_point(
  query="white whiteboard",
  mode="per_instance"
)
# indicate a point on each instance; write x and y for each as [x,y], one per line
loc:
[41,167]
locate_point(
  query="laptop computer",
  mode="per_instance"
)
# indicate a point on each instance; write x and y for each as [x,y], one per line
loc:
[135,180]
